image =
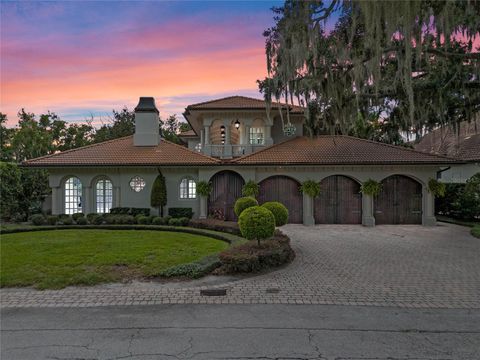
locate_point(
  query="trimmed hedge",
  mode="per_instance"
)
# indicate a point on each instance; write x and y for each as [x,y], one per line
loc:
[249,257]
[81,221]
[130,211]
[257,223]
[195,269]
[52,220]
[216,225]
[279,211]
[180,212]
[38,219]
[77,216]
[244,203]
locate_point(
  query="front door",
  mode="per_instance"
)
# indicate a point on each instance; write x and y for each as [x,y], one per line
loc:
[226,189]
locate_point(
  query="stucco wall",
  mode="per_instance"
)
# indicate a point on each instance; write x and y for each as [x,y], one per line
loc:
[460,173]
[124,196]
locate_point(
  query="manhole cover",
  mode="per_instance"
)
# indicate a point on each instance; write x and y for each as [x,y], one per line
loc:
[213,292]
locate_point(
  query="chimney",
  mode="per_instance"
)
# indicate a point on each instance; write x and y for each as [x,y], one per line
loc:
[146,123]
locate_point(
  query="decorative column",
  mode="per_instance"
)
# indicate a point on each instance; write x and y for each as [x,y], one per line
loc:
[203,207]
[308,218]
[428,211]
[56,200]
[202,138]
[227,146]
[206,130]
[368,218]
[116,196]
[268,135]
[87,200]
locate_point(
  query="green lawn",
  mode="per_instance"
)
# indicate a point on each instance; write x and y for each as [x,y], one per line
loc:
[476,231]
[59,258]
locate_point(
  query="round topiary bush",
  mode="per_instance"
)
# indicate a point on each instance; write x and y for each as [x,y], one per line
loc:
[66,220]
[81,221]
[77,216]
[95,219]
[52,220]
[244,203]
[141,219]
[38,219]
[279,211]
[256,222]
[157,220]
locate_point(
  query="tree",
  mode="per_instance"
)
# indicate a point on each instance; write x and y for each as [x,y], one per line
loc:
[409,63]
[171,128]
[5,139]
[158,196]
[122,123]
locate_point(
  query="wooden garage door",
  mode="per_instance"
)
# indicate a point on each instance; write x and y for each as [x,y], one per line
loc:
[340,201]
[399,202]
[226,189]
[285,190]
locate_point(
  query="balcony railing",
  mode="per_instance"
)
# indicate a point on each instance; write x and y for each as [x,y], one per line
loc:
[230,150]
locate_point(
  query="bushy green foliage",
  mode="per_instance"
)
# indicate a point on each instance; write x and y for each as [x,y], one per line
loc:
[251,188]
[311,188]
[279,211]
[38,219]
[249,257]
[256,223]
[193,270]
[95,219]
[178,221]
[157,220]
[371,187]
[180,212]
[52,220]
[461,201]
[436,188]
[130,211]
[141,219]
[66,220]
[476,231]
[204,188]
[158,197]
[81,221]
[77,216]
[244,203]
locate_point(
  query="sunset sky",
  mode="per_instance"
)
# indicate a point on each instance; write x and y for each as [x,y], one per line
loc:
[79,58]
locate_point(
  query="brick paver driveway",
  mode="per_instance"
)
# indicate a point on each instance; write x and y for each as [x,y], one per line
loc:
[404,266]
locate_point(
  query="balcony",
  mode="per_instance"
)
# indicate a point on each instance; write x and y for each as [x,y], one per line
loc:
[229,151]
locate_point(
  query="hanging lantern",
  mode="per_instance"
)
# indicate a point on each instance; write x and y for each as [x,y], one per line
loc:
[222,128]
[223,135]
[237,124]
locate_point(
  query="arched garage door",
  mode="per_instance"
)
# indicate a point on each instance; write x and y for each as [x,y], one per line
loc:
[285,190]
[226,189]
[399,202]
[340,201]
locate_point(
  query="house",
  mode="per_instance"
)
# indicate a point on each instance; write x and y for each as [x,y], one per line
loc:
[464,145]
[233,141]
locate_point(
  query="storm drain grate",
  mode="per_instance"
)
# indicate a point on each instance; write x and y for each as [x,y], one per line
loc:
[272,290]
[213,292]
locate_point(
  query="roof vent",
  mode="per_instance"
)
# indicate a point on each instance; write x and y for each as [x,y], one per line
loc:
[147,131]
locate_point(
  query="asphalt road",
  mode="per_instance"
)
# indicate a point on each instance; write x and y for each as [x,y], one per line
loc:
[239,332]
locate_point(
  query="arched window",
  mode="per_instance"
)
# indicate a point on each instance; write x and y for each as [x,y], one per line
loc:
[188,189]
[104,195]
[73,195]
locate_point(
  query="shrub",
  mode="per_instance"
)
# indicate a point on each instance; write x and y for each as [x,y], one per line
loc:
[180,212]
[61,217]
[77,216]
[257,223]
[95,219]
[461,201]
[244,203]
[90,216]
[81,221]
[436,188]
[216,225]
[251,188]
[67,220]
[193,270]
[126,220]
[311,188]
[178,221]
[157,220]
[120,210]
[129,211]
[158,197]
[204,188]
[279,211]
[111,219]
[249,257]
[141,219]
[38,219]
[52,220]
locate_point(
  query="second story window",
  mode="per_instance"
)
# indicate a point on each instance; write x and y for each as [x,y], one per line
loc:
[257,136]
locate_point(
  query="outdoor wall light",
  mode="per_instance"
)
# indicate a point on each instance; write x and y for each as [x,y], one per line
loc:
[237,124]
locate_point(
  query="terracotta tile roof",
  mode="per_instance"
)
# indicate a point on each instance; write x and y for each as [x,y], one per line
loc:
[122,152]
[189,133]
[238,102]
[337,150]
[464,146]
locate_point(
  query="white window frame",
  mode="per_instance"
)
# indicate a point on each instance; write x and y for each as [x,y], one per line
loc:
[256,136]
[103,195]
[73,193]
[187,189]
